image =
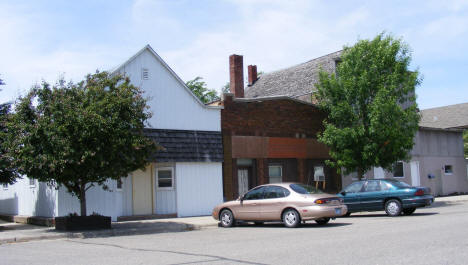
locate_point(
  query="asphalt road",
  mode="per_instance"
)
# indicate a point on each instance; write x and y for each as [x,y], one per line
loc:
[436,235]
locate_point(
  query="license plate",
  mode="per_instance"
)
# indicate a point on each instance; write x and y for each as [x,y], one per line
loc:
[337,210]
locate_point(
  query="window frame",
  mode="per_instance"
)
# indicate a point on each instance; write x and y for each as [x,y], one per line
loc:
[451,170]
[117,184]
[281,173]
[33,185]
[157,178]
[402,170]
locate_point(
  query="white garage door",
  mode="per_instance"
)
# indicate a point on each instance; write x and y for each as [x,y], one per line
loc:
[199,188]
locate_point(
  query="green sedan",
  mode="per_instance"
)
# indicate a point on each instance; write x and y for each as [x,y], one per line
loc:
[395,197]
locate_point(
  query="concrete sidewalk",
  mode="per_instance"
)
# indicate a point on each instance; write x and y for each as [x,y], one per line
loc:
[16,232]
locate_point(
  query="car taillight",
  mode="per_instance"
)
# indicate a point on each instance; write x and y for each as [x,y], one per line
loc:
[419,193]
[322,201]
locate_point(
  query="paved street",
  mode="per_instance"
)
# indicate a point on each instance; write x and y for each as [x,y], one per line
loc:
[436,235]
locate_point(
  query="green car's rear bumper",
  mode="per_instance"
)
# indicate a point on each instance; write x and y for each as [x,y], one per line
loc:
[417,201]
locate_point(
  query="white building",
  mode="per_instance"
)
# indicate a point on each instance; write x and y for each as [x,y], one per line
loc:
[183,180]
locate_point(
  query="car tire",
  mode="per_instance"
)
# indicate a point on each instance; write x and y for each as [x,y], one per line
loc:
[227,218]
[322,221]
[291,218]
[393,207]
[258,223]
[348,214]
[409,211]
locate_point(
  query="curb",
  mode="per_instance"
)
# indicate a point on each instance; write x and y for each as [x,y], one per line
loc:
[107,233]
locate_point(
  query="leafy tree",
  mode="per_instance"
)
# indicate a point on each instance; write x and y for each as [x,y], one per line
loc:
[80,135]
[200,90]
[8,174]
[371,105]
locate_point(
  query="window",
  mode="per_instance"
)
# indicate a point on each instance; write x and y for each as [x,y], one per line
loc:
[255,194]
[165,178]
[354,187]
[448,170]
[372,185]
[275,173]
[304,189]
[319,174]
[32,182]
[272,192]
[398,170]
[119,184]
[5,186]
[385,186]
[145,74]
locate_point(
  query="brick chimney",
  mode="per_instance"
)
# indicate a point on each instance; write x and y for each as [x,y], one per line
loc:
[252,72]
[236,74]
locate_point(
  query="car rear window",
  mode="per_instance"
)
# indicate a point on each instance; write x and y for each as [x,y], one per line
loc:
[398,184]
[304,189]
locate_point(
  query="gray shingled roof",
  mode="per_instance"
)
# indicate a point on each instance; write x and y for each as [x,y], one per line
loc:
[187,146]
[293,81]
[452,116]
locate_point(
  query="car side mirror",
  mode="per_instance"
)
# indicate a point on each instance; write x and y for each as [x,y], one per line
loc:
[241,198]
[343,193]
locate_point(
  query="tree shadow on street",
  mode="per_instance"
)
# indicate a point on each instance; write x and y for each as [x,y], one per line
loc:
[309,224]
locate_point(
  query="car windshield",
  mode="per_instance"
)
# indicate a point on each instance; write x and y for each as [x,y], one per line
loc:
[304,189]
[398,184]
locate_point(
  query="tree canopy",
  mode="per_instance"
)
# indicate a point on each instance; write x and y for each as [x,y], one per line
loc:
[200,90]
[8,173]
[371,105]
[80,135]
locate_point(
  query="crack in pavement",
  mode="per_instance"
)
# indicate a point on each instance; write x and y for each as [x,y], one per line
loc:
[213,257]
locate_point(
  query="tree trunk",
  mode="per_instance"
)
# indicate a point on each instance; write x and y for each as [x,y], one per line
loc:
[83,199]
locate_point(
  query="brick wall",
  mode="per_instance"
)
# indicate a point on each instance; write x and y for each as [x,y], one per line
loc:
[272,118]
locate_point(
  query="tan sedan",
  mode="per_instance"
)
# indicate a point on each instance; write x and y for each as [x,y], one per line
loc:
[287,202]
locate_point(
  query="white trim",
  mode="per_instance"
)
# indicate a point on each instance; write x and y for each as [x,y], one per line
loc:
[157,178]
[148,47]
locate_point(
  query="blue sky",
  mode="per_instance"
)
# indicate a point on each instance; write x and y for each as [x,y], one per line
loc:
[44,40]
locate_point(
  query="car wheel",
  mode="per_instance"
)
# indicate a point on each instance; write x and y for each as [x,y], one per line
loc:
[348,214]
[258,223]
[322,221]
[393,207]
[409,211]
[291,218]
[227,218]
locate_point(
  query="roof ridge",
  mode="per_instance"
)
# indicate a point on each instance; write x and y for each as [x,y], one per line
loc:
[296,65]
[444,107]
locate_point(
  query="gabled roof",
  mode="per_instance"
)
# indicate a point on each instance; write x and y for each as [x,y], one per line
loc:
[294,81]
[452,116]
[150,49]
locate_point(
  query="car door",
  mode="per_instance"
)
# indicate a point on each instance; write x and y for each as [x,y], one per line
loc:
[372,197]
[249,208]
[351,196]
[273,202]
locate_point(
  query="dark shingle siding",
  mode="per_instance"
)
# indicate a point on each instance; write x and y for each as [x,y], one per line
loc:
[187,146]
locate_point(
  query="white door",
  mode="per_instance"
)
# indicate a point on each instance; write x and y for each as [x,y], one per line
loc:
[379,173]
[142,192]
[243,181]
[415,179]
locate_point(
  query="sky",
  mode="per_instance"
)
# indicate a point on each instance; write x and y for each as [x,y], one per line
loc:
[48,40]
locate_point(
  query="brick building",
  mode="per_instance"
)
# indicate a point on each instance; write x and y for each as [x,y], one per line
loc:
[270,139]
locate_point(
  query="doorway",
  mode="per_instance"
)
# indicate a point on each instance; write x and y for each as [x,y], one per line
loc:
[415,178]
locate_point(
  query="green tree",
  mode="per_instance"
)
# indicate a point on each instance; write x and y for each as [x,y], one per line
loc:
[371,105]
[200,90]
[226,88]
[80,135]
[8,173]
